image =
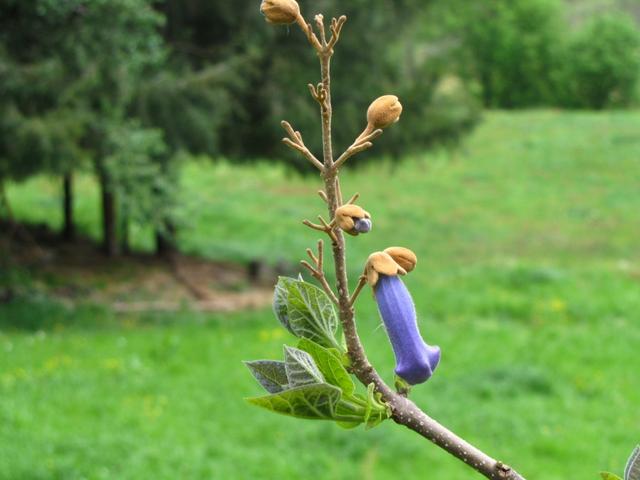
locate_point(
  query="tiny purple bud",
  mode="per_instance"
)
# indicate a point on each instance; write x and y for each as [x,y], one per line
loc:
[415,360]
[362,225]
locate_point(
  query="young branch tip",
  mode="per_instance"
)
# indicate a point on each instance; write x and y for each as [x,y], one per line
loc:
[319,18]
[362,281]
[363,142]
[318,271]
[336,29]
[295,142]
[353,199]
[308,31]
[323,196]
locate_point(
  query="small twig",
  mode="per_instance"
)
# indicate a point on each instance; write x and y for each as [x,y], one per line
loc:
[308,31]
[314,226]
[353,199]
[295,142]
[336,28]
[319,18]
[319,94]
[361,144]
[318,271]
[338,190]
[324,227]
[324,222]
[362,281]
[323,196]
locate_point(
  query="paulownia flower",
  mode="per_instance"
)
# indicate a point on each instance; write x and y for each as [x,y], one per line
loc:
[280,12]
[415,359]
[384,111]
[403,257]
[353,219]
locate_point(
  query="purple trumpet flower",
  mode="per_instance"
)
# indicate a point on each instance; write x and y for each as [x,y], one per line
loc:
[415,360]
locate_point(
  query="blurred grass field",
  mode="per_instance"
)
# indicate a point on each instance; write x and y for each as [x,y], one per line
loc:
[529,280]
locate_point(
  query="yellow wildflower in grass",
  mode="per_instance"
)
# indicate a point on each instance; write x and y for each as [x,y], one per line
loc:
[56,363]
[153,407]
[557,305]
[112,364]
[268,335]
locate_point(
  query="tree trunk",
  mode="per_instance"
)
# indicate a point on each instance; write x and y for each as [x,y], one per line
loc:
[166,240]
[124,233]
[109,230]
[68,230]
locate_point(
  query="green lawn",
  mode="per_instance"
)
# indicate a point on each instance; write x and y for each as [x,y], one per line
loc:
[529,280]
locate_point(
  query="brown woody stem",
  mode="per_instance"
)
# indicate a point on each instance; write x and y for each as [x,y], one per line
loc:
[404,411]
[362,281]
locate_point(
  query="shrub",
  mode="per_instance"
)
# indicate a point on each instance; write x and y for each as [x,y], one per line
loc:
[603,63]
[511,48]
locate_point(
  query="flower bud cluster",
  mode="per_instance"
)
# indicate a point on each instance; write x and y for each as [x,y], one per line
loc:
[280,12]
[384,111]
[353,219]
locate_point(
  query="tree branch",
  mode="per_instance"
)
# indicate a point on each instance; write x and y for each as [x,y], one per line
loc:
[404,411]
[336,29]
[294,141]
[325,227]
[361,144]
[308,31]
[318,271]
[362,281]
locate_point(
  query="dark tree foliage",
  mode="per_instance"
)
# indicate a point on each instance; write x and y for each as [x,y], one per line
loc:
[512,48]
[268,73]
[526,53]
[602,64]
[69,72]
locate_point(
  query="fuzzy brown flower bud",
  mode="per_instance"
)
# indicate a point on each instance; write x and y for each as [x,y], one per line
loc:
[381,263]
[403,257]
[280,12]
[384,111]
[353,219]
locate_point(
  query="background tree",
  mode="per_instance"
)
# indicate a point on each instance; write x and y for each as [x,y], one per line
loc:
[70,72]
[602,63]
[203,33]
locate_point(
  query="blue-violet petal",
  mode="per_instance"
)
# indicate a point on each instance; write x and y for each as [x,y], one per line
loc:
[415,359]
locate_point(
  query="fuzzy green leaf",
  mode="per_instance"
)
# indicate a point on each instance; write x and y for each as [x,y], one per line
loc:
[330,364]
[309,311]
[301,368]
[316,402]
[280,298]
[271,374]
[632,470]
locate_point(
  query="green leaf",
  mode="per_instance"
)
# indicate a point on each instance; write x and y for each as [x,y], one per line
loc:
[632,470]
[280,298]
[609,476]
[317,402]
[310,313]
[271,374]
[330,364]
[301,368]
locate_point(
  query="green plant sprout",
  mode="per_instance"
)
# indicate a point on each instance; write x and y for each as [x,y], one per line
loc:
[315,380]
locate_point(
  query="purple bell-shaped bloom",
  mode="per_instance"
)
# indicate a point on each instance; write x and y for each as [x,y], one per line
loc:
[415,359]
